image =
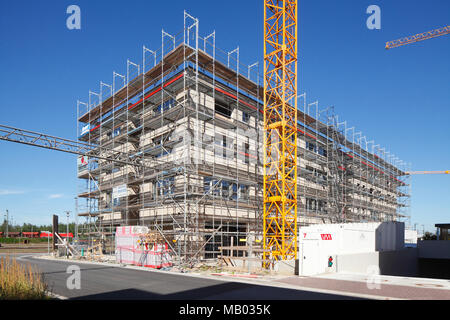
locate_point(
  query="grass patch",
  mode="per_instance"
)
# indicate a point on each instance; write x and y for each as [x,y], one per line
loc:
[20,282]
[21,240]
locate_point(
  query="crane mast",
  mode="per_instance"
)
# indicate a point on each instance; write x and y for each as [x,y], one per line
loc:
[46,141]
[280,130]
[428,172]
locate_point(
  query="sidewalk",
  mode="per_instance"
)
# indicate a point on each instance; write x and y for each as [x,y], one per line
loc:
[385,287]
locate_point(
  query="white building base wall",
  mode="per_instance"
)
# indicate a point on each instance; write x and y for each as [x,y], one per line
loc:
[394,263]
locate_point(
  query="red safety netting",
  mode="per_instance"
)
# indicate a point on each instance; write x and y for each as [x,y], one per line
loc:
[132,248]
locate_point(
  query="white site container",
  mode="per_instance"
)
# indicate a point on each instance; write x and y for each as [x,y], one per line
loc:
[319,243]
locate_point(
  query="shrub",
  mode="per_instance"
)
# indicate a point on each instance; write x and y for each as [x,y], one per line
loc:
[20,282]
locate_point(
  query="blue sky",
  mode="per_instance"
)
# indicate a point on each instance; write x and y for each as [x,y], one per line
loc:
[400,98]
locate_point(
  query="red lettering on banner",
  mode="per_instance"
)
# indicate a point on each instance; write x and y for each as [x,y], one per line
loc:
[326,236]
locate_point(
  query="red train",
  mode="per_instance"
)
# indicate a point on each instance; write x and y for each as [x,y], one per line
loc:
[10,234]
[37,234]
[30,234]
[50,235]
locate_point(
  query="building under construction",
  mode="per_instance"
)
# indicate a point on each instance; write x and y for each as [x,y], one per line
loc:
[187,123]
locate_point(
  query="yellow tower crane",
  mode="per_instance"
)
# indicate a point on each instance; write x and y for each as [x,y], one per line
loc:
[280,130]
[418,37]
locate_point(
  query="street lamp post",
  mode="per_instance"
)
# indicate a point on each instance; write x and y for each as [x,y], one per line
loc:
[76,220]
[48,241]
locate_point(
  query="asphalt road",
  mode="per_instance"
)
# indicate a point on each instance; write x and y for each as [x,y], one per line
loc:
[103,282]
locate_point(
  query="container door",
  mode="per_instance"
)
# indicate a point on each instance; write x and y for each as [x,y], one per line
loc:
[309,254]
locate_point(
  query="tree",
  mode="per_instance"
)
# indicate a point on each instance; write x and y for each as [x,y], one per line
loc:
[3,226]
[429,236]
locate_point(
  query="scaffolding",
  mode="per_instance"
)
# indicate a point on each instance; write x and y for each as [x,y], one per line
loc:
[189,119]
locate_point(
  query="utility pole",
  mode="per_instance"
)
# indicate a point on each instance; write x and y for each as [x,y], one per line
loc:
[67,233]
[7,222]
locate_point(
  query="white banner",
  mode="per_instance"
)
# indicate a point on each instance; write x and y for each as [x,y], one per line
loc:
[85,129]
[82,162]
